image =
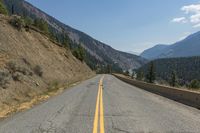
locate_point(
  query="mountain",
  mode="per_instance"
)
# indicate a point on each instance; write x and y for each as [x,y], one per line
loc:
[97,51]
[186,68]
[153,52]
[188,47]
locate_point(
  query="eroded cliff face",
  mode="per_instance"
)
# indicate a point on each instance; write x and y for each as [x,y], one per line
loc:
[30,64]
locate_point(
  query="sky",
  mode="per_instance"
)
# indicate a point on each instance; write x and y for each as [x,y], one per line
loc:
[128,25]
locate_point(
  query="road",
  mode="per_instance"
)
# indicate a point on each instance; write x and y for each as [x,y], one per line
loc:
[105,104]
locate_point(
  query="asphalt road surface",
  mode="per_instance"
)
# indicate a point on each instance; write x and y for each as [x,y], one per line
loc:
[105,104]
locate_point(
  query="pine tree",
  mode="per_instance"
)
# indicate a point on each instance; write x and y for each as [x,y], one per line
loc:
[12,10]
[66,40]
[3,9]
[174,79]
[151,75]
[79,53]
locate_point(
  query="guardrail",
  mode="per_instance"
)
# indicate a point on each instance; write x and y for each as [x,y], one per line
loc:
[187,97]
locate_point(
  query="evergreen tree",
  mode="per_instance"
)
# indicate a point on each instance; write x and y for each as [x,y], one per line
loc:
[3,9]
[151,75]
[79,53]
[174,79]
[186,68]
[12,9]
[66,40]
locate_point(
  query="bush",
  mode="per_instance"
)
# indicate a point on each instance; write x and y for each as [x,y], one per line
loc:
[140,75]
[194,84]
[4,78]
[17,22]
[3,9]
[42,25]
[17,76]
[38,70]
[54,85]
[28,22]
[126,73]
[13,67]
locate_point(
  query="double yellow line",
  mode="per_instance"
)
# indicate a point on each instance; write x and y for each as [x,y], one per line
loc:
[99,112]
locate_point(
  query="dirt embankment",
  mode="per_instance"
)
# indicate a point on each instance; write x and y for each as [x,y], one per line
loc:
[31,65]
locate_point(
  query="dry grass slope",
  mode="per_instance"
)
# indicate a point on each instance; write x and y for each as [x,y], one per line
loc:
[31,65]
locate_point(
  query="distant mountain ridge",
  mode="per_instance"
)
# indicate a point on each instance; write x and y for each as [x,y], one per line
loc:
[188,47]
[96,50]
[153,52]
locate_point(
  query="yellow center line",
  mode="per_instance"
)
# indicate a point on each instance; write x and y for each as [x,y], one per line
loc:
[97,111]
[95,126]
[101,111]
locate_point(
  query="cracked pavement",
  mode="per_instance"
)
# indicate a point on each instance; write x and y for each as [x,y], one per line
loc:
[127,109]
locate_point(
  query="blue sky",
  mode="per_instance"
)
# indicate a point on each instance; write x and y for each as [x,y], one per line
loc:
[127,25]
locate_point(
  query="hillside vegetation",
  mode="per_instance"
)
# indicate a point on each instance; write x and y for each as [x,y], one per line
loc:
[184,70]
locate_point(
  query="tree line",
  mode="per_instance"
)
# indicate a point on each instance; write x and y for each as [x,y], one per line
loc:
[176,72]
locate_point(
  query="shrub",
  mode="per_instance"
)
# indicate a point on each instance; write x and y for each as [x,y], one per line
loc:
[140,75]
[42,25]
[28,22]
[4,78]
[194,84]
[17,76]
[17,22]
[126,73]
[13,67]
[38,70]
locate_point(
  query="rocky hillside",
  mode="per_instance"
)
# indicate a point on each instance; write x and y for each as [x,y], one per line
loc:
[30,64]
[98,52]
